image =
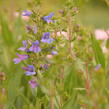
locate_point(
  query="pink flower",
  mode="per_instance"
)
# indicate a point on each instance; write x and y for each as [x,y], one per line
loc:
[25,18]
[33,84]
[101,34]
[61,33]
[104,49]
[107,31]
[49,56]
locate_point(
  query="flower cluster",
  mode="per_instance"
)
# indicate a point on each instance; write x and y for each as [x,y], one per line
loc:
[36,47]
[48,18]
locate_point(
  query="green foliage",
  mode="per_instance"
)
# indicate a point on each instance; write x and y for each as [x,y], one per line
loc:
[99,56]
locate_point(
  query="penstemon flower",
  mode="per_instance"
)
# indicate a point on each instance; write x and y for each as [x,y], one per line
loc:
[46,38]
[44,66]
[31,29]
[54,52]
[20,58]
[35,29]
[33,84]
[24,46]
[26,13]
[48,18]
[30,70]
[101,34]
[97,67]
[35,47]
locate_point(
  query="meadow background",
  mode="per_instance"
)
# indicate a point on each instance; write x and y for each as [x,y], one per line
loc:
[92,14]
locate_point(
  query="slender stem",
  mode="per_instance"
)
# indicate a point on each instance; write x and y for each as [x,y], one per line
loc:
[69,35]
[87,81]
[62,86]
[52,95]
[69,32]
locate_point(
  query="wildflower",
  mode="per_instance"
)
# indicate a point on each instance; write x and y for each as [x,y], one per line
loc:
[35,47]
[54,52]
[24,46]
[48,18]
[30,70]
[101,34]
[25,18]
[33,84]
[20,58]
[46,38]
[45,66]
[30,28]
[49,56]
[107,31]
[98,67]
[61,33]
[26,13]
[104,49]
[35,29]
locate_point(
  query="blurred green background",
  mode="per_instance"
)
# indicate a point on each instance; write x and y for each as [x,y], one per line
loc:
[94,13]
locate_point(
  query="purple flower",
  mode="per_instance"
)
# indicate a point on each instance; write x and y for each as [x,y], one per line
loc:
[48,18]
[46,38]
[61,11]
[30,28]
[20,58]
[35,29]
[26,13]
[35,47]
[98,67]
[33,84]
[24,46]
[54,52]
[30,70]
[44,66]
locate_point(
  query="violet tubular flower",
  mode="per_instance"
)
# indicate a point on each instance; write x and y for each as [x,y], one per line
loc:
[35,47]
[30,70]
[20,58]
[44,66]
[28,28]
[54,52]
[35,29]
[33,84]
[48,18]
[31,29]
[24,46]
[97,67]
[46,38]
[26,13]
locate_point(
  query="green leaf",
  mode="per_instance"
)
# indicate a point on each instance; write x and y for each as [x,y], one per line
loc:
[71,103]
[13,87]
[99,56]
[6,33]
